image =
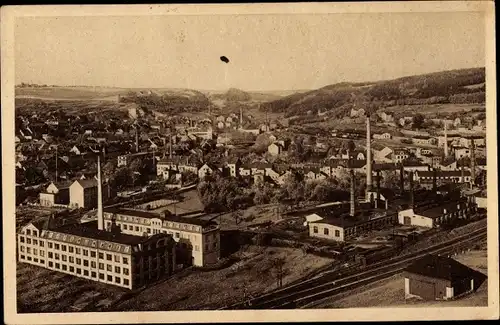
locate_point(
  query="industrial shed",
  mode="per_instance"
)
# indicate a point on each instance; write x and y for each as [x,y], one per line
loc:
[439,278]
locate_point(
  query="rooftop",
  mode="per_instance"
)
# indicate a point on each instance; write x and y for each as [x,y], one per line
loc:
[440,267]
[90,230]
[87,183]
[151,215]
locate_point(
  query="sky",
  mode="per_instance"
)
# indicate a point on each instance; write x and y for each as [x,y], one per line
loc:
[266,52]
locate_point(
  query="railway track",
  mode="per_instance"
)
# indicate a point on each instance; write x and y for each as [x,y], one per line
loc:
[331,283]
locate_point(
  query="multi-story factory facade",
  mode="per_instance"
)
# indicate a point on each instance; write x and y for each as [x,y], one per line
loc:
[90,251]
[200,237]
[85,251]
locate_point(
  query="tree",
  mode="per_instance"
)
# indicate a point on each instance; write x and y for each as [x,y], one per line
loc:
[219,194]
[263,194]
[418,121]
[278,267]
[349,145]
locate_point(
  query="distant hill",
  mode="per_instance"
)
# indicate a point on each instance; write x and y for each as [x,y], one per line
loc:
[456,86]
[233,95]
[170,101]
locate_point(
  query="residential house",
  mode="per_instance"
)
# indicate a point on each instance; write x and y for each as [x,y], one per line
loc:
[382,136]
[76,150]
[233,165]
[314,174]
[206,170]
[461,152]
[423,140]
[275,148]
[399,155]
[55,194]
[125,160]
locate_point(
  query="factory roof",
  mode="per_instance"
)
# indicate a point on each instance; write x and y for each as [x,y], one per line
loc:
[167,217]
[440,267]
[88,234]
[438,211]
[338,216]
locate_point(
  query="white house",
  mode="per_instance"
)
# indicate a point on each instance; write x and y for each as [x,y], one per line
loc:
[312,218]
[204,171]
[275,148]
[382,136]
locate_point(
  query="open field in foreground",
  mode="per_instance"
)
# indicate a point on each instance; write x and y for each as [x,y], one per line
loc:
[41,290]
[390,292]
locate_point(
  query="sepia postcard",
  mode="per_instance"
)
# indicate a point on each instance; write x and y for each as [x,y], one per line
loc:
[279,162]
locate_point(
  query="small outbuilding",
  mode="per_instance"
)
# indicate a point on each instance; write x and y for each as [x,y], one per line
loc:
[439,278]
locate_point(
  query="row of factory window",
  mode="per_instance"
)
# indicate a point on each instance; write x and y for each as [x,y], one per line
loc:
[78,271]
[165,223]
[326,231]
[76,250]
[72,259]
[176,235]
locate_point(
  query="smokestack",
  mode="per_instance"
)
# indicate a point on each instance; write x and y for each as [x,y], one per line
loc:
[402,178]
[411,191]
[378,189]
[170,155]
[472,163]
[445,140]
[353,198]
[241,118]
[434,180]
[368,157]
[57,174]
[137,139]
[100,216]
[462,171]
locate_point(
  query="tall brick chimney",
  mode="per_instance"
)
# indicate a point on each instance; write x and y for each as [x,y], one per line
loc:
[378,189]
[100,213]
[412,203]
[353,194]
[472,164]
[368,159]
[434,180]
[445,140]
[402,178]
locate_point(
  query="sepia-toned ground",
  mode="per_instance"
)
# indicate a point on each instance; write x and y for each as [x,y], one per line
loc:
[41,290]
[390,292]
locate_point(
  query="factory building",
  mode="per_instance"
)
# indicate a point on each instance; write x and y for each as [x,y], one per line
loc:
[89,251]
[437,215]
[200,238]
[438,278]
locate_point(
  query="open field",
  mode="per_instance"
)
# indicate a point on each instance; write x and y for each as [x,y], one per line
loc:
[190,202]
[41,290]
[390,292]
[253,274]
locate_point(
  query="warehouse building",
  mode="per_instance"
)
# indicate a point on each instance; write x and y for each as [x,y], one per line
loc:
[437,215]
[438,278]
